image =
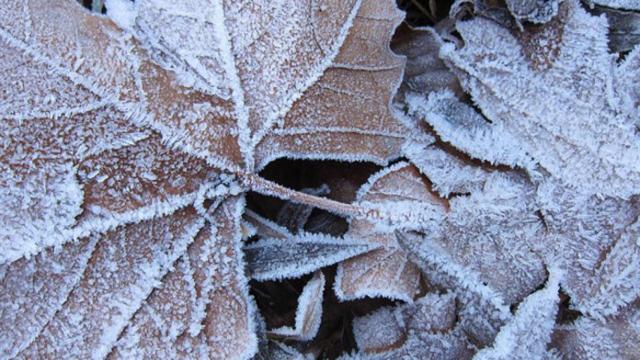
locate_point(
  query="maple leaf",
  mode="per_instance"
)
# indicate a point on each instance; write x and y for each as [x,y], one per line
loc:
[583,135]
[589,220]
[126,159]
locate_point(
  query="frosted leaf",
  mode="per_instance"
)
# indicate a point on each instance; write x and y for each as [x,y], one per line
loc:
[448,174]
[55,109]
[308,314]
[387,271]
[535,11]
[248,86]
[34,290]
[138,182]
[485,240]
[618,4]
[424,330]
[595,240]
[527,334]
[564,117]
[279,351]
[627,84]
[296,255]
[459,124]
[265,228]
[379,331]
[613,338]
[424,71]
[203,308]
[624,28]
[483,247]
[116,281]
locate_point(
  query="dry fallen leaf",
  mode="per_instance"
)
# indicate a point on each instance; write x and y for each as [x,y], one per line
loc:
[426,330]
[387,271]
[583,134]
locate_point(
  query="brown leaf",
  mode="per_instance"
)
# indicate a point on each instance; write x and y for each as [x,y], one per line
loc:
[91,307]
[612,338]
[385,272]
[263,90]
[57,108]
[202,306]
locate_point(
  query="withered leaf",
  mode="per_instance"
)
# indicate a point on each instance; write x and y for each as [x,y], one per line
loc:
[615,337]
[528,333]
[425,329]
[387,271]
[581,133]
[308,313]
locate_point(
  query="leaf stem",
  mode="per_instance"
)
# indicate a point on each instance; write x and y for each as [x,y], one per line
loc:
[270,188]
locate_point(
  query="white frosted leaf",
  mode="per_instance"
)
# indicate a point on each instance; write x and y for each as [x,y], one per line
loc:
[615,337]
[527,334]
[485,240]
[125,265]
[203,308]
[296,255]
[387,271]
[308,313]
[265,228]
[425,330]
[618,4]
[535,11]
[564,117]
[448,173]
[378,331]
[594,240]
[459,124]
[627,84]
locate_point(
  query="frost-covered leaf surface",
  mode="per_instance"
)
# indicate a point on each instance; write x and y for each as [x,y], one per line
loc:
[263,89]
[624,28]
[595,240]
[387,271]
[616,337]
[581,134]
[527,334]
[308,313]
[497,261]
[619,4]
[535,11]
[425,329]
[300,254]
